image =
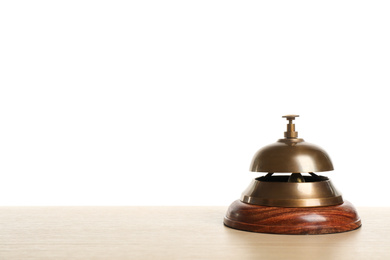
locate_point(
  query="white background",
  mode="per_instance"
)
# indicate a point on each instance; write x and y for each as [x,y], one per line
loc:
[165,102]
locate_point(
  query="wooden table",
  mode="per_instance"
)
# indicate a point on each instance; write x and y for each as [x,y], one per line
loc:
[173,233]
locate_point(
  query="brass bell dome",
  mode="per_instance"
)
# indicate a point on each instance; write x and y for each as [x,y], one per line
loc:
[291,154]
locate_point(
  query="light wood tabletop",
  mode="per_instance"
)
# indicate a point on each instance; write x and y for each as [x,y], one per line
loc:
[173,233]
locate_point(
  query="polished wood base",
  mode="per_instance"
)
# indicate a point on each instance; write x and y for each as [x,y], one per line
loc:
[296,221]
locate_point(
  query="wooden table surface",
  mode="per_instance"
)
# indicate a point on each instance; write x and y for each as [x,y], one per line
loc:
[173,233]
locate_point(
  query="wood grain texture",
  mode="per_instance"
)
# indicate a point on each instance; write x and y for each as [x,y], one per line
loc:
[294,221]
[119,233]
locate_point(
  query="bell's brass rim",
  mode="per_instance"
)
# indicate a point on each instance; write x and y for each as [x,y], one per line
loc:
[292,194]
[297,203]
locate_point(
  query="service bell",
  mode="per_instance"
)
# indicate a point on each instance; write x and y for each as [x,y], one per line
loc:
[300,202]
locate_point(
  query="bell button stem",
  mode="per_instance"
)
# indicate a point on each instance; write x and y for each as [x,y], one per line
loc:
[291,133]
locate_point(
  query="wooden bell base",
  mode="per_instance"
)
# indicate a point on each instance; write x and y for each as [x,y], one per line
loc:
[295,221]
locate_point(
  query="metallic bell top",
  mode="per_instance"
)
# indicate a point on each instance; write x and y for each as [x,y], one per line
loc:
[291,154]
